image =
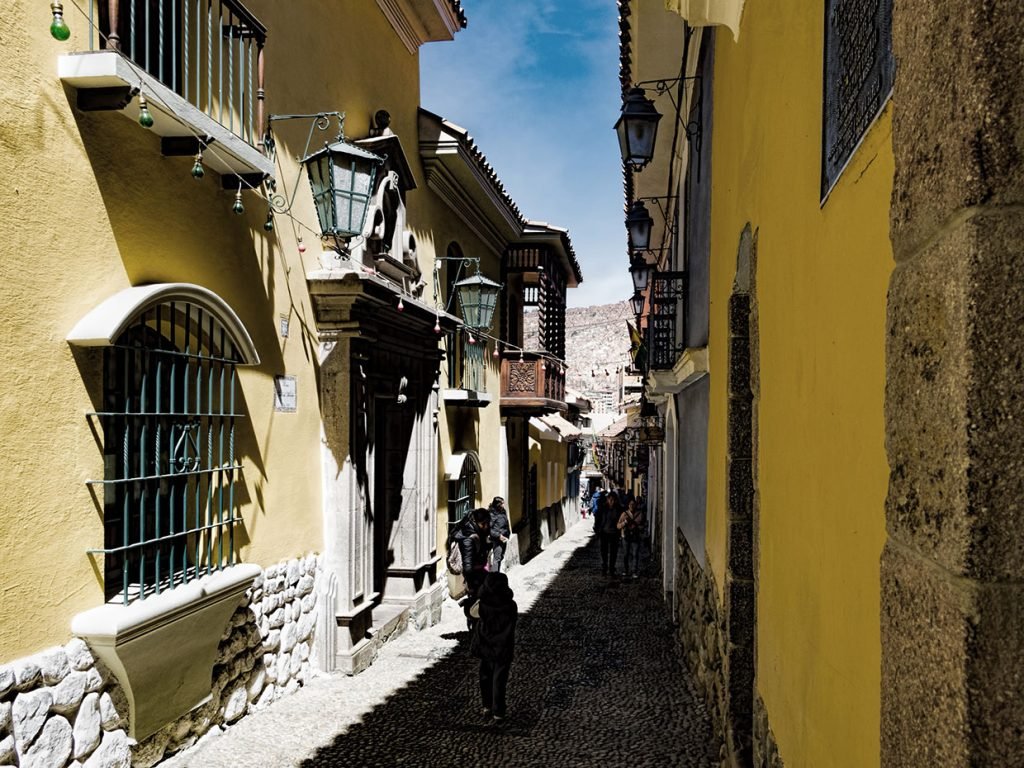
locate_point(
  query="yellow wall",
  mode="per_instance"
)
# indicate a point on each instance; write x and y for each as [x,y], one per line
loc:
[821,288]
[92,207]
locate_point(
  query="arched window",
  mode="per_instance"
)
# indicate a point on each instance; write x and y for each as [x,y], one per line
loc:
[170,407]
[462,472]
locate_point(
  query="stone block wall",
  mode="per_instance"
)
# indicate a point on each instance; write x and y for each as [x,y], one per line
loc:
[702,635]
[61,707]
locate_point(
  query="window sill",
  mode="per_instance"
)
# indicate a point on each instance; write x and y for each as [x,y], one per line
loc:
[466,398]
[162,649]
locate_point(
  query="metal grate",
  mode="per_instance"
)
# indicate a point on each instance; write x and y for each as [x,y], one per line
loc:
[668,290]
[461,494]
[169,452]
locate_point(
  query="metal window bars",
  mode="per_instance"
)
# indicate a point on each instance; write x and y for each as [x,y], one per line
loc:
[168,425]
[668,295]
[210,52]
[461,495]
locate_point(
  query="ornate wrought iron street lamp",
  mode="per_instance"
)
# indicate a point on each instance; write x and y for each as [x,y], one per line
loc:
[342,177]
[640,271]
[639,224]
[637,128]
[637,303]
[478,296]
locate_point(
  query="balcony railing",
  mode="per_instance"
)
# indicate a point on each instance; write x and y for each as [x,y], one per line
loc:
[668,296]
[532,382]
[209,52]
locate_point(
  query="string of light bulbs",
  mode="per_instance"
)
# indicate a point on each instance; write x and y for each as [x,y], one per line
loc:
[61,32]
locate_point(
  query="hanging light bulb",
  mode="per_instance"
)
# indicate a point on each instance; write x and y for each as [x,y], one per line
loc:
[302,245]
[471,340]
[145,119]
[520,355]
[437,324]
[238,207]
[197,168]
[268,225]
[495,354]
[58,27]
[401,305]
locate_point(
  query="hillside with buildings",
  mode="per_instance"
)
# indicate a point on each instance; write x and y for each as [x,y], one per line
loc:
[597,350]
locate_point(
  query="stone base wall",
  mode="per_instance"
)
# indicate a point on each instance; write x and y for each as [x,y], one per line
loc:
[702,635]
[766,751]
[61,707]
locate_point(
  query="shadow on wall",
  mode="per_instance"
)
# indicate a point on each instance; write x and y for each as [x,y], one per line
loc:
[586,654]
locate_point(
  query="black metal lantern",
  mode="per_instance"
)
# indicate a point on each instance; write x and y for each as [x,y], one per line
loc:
[637,302]
[640,271]
[639,224]
[637,128]
[342,177]
[478,296]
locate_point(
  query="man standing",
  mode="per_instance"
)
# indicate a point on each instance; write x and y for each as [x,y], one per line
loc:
[473,537]
[606,520]
[499,532]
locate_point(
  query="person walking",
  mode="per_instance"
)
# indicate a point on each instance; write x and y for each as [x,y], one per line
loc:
[606,521]
[631,524]
[493,642]
[473,537]
[499,532]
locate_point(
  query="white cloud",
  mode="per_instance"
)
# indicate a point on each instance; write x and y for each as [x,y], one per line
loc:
[536,84]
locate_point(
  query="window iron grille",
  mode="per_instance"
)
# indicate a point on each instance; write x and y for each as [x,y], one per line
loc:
[462,494]
[668,296]
[168,422]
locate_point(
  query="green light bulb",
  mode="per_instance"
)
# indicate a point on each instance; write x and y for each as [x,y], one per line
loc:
[238,207]
[197,169]
[145,119]
[58,27]
[268,225]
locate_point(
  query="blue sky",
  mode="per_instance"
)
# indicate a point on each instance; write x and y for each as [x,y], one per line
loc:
[535,82]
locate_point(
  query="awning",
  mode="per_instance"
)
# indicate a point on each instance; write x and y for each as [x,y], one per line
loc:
[706,13]
[567,429]
[542,430]
[615,429]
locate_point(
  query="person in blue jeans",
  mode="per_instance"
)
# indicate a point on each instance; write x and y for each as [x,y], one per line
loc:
[494,642]
[606,520]
[631,523]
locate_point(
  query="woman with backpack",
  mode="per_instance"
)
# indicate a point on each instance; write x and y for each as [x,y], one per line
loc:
[631,523]
[494,640]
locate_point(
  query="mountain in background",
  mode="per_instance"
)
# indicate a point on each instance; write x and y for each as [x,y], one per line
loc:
[596,349]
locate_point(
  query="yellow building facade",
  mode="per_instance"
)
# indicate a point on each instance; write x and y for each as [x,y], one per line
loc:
[254,423]
[773,479]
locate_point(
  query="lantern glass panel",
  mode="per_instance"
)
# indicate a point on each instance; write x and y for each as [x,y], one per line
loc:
[640,233]
[638,303]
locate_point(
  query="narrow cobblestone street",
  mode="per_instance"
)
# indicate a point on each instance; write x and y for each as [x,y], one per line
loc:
[595,682]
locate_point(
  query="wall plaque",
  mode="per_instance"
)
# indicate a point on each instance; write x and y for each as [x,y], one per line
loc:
[858,78]
[285,395]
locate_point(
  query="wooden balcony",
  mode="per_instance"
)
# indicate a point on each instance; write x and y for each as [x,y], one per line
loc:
[531,385]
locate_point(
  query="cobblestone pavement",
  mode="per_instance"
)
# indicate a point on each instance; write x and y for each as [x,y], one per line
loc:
[595,682]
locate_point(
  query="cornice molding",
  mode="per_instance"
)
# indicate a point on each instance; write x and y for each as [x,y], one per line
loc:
[421,21]
[444,184]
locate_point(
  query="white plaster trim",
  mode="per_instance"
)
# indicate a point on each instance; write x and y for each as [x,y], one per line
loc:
[172,115]
[690,366]
[705,13]
[162,649]
[455,396]
[454,463]
[106,322]
[420,21]
[543,431]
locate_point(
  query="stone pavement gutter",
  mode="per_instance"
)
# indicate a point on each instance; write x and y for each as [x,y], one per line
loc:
[596,678]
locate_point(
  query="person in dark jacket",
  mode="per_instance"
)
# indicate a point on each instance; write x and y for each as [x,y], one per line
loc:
[473,537]
[494,641]
[499,532]
[606,522]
